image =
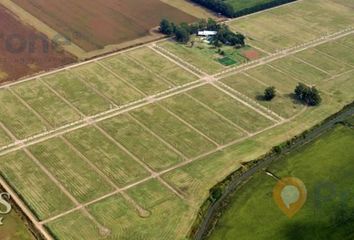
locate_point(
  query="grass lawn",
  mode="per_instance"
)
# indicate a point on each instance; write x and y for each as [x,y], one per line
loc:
[208,58]
[242,4]
[231,108]
[46,103]
[40,194]
[324,166]
[161,66]
[20,120]
[203,119]
[77,93]
[273,77]
[347,41]
[323,61]
[283,104]
[83,182]
[106,83]
[139,141]
[294,24]
[114,162]
[341,52]
[300,71]
[115,211]
[174,131]
[138,76]
[4,138]
[14,228]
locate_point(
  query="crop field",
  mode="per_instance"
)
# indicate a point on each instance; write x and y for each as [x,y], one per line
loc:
[102,25]
[15,228]
[294,24]
[206,58]
[128,146]
[320,218]
[240,4]
[19,60]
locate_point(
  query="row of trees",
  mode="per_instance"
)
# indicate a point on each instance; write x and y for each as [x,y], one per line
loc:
[226,9]
[183,32]
[303,93]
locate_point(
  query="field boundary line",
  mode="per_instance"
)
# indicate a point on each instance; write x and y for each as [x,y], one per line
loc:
[290,76]
[255,79]
[311,65]
[286,52]
[8,132]
[93,88]
[218,114]
[265,10]
[175,67]
[186,123]
[132,155]
[51,176]
[67,102]
[24,208]
[158,137]
[177,60]
[249,105]
[31,109]
[127,82]
[337,60]
[175,167]
[158,76]
[99,172]
[99,117]
[168,93]
[252,102]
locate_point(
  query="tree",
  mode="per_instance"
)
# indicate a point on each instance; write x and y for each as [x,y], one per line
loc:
[307,95]
[182,35]
[166,27]
[270,93]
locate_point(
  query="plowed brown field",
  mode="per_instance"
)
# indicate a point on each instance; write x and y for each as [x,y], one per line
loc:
[22,52]
[92,25]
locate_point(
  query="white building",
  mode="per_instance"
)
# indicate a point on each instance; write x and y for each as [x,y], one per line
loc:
[207,33]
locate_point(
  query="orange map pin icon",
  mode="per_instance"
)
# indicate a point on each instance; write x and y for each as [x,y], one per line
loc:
[290,194]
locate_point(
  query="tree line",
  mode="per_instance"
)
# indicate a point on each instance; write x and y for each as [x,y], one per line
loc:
[226,9]
[307,95]
[183,32]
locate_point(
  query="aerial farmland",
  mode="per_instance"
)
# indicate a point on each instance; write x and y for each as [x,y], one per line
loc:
[24,50]
[93,26]
[127,145]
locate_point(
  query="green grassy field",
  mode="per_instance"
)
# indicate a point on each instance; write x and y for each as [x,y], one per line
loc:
[324,166]
[162,67]
[106,156]
[241,4]
[137,75]
[174,131]
[78,94]
[14,228]
[141,142]
[295,24]
[42,196]
[215,126]
[164,156]
[283,104]
[231,108]
[4,138]
[44,101]
[207,58]
[71,170]
[17,118]
[106,83]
